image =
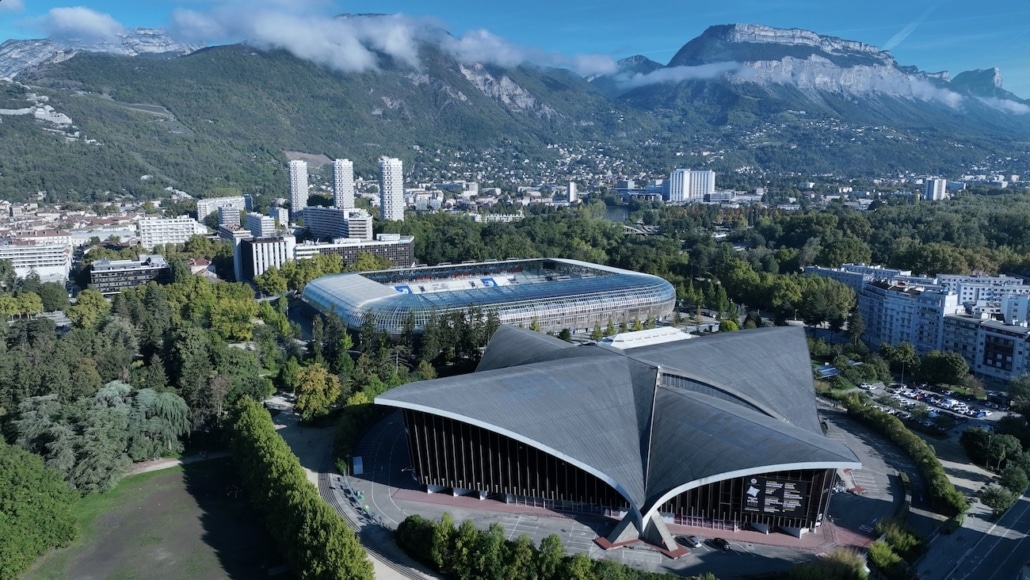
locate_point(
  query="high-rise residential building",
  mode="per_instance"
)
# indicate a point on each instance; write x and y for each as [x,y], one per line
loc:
[206,207]
[228,215]
[690,184]
[936,190]
[154,231]
[298,187]
[573,194]
[260,226]
[391,189]
[343,184]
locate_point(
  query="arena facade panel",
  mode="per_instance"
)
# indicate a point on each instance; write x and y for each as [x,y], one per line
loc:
[556,294]
[718,431]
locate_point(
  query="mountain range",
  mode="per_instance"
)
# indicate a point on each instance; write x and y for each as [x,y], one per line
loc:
[745,100]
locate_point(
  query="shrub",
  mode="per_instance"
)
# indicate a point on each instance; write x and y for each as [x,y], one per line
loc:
[840,564]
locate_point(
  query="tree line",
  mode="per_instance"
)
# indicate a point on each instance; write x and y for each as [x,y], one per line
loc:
[311,535]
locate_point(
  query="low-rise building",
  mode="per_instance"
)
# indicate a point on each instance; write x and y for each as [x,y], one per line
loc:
[112,276]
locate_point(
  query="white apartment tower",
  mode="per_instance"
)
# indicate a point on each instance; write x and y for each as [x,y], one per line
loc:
[298,186]
[343,184]
[573,194]
[391,189]
[690,184]
[936,189]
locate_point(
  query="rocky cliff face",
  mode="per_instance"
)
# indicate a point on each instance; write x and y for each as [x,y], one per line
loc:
[817,65]
[17,56]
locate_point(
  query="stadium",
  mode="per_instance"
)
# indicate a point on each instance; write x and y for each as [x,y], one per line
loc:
[555,294]
[718,432]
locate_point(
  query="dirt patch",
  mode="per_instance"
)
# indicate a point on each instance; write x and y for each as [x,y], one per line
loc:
[315,160]
[188,522]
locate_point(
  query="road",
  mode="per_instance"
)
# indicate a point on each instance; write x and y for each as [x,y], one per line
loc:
[982,550]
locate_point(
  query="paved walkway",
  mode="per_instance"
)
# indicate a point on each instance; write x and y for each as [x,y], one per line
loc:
[159,464]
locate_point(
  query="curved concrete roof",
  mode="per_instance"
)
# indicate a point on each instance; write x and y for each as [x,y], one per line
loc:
[651,421]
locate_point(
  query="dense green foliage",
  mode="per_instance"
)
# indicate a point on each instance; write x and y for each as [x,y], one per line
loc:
[839,564]
[35,510]
[311,535]
[467,552]
[93,440]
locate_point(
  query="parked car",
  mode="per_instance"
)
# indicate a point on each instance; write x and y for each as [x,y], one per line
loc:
[721,544]
[689,541]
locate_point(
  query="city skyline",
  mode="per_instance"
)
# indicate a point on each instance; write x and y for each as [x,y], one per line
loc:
[932,35]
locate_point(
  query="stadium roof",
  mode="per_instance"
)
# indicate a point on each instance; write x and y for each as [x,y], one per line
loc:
[390,293]
[651,421]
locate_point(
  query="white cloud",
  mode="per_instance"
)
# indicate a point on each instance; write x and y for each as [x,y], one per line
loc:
[677,74]
[11,6]
[1005,106]
[919,89]
[79,22]
[358,43]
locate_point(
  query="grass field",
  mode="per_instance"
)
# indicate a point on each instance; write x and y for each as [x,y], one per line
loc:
[186,522]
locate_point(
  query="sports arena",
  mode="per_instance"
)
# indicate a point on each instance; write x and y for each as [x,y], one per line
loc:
[718,432]
[554,294]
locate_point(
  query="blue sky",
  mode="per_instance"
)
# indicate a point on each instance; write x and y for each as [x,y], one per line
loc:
[933,35]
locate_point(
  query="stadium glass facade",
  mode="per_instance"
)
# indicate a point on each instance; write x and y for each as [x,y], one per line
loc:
[555,294]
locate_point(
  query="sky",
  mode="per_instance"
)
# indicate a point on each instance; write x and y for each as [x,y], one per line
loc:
[586,36]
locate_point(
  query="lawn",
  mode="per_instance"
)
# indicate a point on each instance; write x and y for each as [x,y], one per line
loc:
[186,522]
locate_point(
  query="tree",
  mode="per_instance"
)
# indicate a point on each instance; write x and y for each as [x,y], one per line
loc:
[36,508]
[728,325]
[90,306]
[997,498]
[1014,479]
[856,327]
[597,333]
[317,392]
[551,554]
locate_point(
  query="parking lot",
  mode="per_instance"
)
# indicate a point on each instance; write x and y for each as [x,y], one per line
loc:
[936,411]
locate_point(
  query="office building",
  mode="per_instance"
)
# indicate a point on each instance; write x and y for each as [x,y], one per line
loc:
[259,254]
[398,249]
[391,189]
[155,231]
[235,235]
[358,225]
[298,187]
[110,277]
[343,184]
[688,432]
[260,226]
